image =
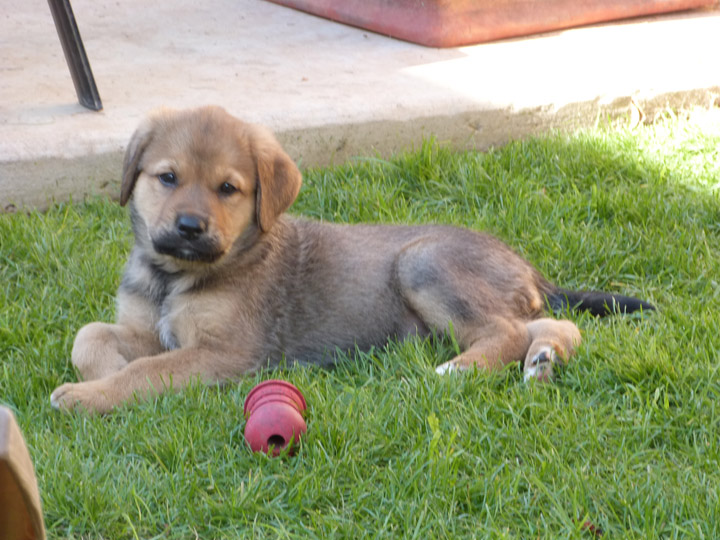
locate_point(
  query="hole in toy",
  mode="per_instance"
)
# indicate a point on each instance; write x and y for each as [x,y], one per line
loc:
[278,441]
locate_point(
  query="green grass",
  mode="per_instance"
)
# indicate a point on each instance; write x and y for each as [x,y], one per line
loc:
[628,438]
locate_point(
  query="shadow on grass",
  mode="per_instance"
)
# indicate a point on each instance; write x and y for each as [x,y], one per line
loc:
[625,437]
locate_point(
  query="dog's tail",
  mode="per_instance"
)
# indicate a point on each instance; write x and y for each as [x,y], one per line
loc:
[595,302]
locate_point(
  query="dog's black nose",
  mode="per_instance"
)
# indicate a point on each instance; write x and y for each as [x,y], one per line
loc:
[190,226]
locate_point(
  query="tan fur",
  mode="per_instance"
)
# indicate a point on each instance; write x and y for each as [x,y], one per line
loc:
[267,287]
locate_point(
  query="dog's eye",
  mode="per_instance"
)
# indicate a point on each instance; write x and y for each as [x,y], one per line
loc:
[226,188]
[168,179]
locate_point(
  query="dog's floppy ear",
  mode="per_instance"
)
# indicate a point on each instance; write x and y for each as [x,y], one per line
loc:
[134,153]
[279,179]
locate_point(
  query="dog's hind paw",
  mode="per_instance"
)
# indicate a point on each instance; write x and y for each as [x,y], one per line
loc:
[540,365]
[447,367]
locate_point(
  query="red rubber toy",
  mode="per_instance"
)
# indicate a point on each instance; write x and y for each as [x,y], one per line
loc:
[274,411]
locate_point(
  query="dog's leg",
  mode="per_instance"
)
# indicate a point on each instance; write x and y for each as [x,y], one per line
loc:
[101,349]
[552,341]
[494,344]
[485,296]
[151,376]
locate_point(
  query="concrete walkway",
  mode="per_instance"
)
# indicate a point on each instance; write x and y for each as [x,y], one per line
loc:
[329,91]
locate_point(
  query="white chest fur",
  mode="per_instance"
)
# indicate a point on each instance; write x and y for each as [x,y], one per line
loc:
[171,311]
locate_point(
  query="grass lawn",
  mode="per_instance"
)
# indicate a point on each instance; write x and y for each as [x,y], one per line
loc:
[628,438]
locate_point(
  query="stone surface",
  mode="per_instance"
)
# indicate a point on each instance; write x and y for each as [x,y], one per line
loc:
[329,91]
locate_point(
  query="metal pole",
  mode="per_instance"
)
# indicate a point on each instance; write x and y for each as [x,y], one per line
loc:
[75,56]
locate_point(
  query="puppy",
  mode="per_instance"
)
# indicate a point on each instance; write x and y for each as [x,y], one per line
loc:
[220,282]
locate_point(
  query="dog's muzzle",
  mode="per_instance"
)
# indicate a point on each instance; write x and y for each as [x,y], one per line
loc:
[191,227]
[188,241]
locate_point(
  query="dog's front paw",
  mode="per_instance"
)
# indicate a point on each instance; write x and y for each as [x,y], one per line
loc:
[540,364]
[91,396]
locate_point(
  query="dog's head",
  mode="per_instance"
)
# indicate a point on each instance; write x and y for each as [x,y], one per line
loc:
[199,179]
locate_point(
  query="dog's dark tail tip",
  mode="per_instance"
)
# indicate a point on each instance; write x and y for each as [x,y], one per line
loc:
[596,303]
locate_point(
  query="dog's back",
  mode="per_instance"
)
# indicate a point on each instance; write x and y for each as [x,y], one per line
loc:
[342,286]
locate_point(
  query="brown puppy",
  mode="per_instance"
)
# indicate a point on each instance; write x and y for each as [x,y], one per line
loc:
[221,283]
